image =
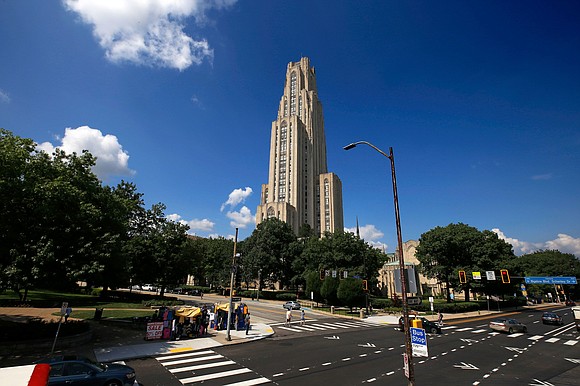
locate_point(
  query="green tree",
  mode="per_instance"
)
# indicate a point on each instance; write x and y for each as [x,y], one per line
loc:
[350,293]
[313,285]
[443,251]
[329,290]
[269,252]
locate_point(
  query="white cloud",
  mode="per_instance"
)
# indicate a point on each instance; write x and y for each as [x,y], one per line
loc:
[4,97]
[236,197]
[204,225]
[241,219]
[367,232]
[149,32]
[370,234]
[112,160]
[564,243]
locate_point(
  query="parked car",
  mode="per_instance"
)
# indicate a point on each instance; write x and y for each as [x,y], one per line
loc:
[507,325]
[291,305]
[70,370]
[148,287]
[552,318]
[427,325]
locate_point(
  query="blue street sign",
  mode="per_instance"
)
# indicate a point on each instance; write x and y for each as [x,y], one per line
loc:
[550,280]
[419,342]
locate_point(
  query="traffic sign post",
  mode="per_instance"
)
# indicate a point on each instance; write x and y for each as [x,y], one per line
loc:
[419,342]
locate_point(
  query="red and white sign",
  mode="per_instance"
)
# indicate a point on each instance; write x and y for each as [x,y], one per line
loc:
[154,330]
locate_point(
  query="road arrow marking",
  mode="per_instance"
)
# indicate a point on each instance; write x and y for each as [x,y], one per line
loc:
[332,337]
[573,360]
[541,383]
[466,366]
[367,345]
[516,349]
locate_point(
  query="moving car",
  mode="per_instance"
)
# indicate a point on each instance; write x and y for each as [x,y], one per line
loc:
[552,318]
[507,325]
[428,326]
[70,370]
[291,305]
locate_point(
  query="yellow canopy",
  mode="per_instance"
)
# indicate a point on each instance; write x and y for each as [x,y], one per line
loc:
[188,312]
[223,307]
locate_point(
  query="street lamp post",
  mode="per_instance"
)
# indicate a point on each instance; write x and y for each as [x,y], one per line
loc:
[228,336]
[408,349]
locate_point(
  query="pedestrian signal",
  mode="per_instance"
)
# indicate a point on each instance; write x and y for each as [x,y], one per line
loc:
[462,277]
[322,274]
[365,285]
[505,276]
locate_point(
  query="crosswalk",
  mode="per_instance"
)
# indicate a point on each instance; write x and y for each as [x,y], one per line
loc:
[322,326]
[564,341]
[210,368]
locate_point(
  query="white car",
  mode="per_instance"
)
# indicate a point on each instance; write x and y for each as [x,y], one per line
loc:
[291,305]
[148,287]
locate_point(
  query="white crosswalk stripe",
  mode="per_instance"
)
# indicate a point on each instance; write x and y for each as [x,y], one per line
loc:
[210,368]
[552,340]
[325,326]
[480,331]
[536,337]
[571,342]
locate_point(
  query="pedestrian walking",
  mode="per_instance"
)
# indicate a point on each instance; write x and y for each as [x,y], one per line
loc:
[302,317]
[247,321]
[440,318]
[67,313]
[288,317]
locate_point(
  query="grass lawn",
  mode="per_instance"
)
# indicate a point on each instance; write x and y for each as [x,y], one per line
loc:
[75,300]
[109,313]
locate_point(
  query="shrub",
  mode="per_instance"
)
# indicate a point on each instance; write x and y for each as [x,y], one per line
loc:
[381,303]
[286,296]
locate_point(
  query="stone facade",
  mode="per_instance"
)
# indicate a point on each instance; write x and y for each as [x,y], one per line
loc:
[387,272]
[300,190]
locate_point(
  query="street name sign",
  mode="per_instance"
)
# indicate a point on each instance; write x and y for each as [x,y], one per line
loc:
[550,280]
[419,342]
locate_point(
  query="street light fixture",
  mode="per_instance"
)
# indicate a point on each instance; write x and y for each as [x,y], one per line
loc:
[228,336]
[408,349]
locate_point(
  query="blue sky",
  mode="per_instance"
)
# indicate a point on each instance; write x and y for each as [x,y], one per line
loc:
[480,101]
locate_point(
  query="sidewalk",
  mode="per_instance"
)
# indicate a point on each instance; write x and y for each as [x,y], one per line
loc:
[114,341]
[154,348]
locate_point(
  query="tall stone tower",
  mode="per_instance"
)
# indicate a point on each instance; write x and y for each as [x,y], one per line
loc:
[300,190]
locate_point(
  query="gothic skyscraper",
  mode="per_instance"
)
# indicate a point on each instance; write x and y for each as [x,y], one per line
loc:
[300,190]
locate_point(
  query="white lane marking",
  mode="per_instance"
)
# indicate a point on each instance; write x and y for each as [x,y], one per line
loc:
[191,360]
[250,382]
[289,329]
[184,355]
[515,335]
[206,377]
[325,327]
[571,342]
[199,367]
[536,337]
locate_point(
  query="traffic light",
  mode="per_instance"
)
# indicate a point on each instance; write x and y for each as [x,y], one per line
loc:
[462,277]
[505,276]
[365,285]
[322,274]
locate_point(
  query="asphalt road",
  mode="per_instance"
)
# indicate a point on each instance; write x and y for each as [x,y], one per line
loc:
[344,352]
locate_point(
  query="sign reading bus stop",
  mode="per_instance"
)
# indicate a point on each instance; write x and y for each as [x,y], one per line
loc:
[419,342]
